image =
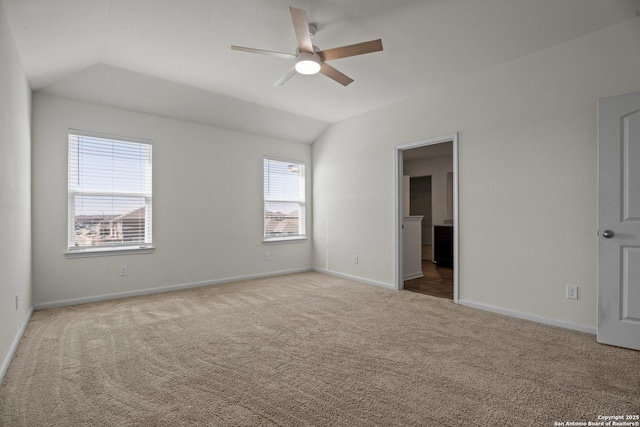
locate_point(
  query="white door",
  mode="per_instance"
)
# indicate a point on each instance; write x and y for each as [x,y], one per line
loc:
[619,221]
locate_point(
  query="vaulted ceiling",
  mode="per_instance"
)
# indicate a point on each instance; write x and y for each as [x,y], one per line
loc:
[173,57]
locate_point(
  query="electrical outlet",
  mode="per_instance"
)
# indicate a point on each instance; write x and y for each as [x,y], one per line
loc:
[572,292]
[355,259]
[124,270]
[267,256]
[16,302]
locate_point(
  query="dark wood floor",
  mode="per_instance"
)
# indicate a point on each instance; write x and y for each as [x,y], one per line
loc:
[437,281]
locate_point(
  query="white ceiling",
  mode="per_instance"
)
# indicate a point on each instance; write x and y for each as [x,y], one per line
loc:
[173,57]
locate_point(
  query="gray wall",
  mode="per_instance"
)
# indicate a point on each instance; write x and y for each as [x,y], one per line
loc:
[421,203]
[207,205]
[527,166]
[437,168]
[15,194]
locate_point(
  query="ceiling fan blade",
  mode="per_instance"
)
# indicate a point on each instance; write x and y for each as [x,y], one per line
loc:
[263,52]
[301,27]
[351,50]
[334,74]
[286,76]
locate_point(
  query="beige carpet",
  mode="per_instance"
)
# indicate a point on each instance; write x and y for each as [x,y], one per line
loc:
[307,349]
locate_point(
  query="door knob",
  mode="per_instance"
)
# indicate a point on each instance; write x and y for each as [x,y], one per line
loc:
[607,234]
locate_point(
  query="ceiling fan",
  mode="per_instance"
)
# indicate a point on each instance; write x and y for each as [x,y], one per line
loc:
[309,59]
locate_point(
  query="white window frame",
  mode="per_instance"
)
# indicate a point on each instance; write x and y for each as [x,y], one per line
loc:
[100,250]
[301,200]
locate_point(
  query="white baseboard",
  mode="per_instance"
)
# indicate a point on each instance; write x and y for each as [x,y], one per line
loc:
[413,276]
[507,312]
[540,319]
[75,301]
[14,345]
[356,278]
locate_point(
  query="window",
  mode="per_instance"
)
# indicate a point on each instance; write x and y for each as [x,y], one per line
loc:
[109,193]
[284,217]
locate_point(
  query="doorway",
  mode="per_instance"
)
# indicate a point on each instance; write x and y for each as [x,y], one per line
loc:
[427,175]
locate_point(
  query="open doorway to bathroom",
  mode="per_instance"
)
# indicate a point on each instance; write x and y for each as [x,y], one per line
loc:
[436,268]
[428,217]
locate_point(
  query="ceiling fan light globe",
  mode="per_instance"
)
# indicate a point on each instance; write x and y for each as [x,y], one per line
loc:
[307,67]
[308,63]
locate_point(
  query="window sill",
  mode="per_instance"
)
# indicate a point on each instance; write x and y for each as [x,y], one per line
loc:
[88,253]
[284,240]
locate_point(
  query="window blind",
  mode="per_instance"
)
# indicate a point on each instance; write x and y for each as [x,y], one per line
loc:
[284,200]
[110,192]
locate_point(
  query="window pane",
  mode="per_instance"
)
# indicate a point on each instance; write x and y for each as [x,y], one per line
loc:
[283,181]
[282,219]
[107,165]
[107,221]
